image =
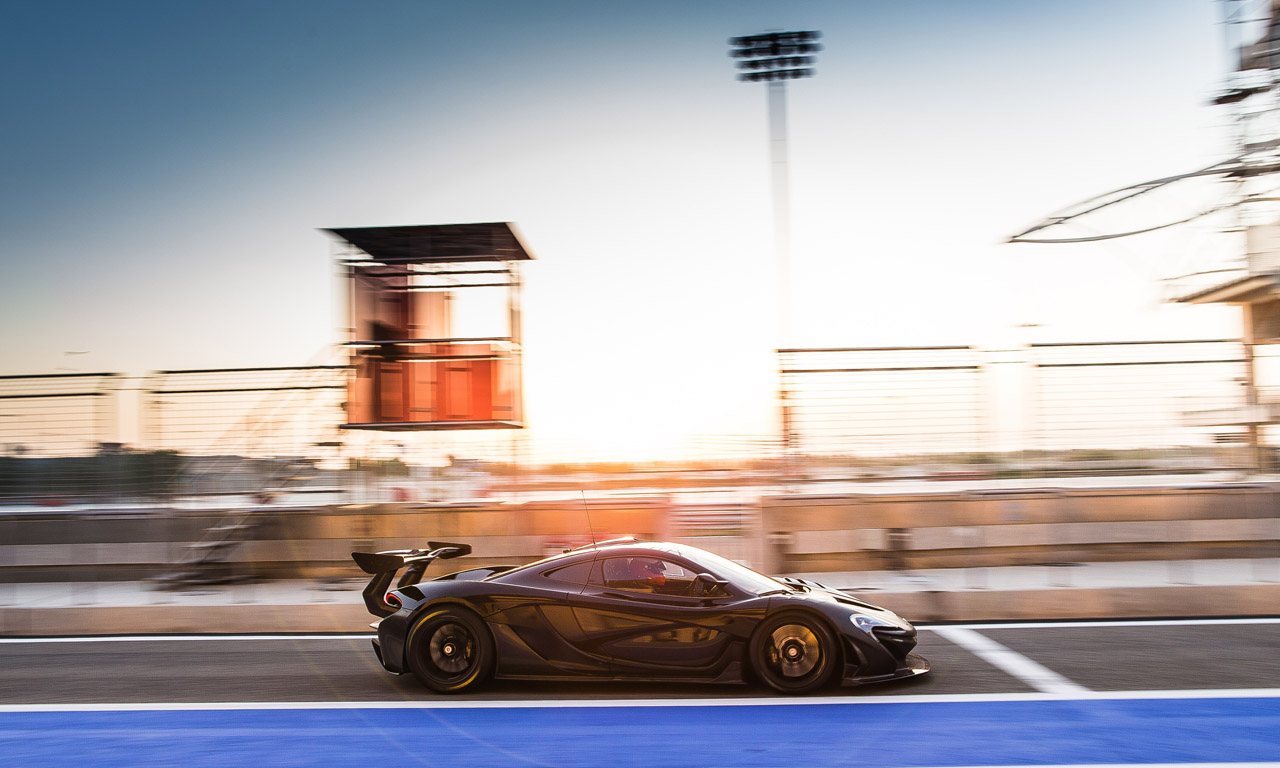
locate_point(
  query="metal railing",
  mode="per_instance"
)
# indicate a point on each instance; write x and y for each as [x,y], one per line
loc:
[949,411]
[57,433]
[249,430]
[883,401]
[1128,396]
[1043,407]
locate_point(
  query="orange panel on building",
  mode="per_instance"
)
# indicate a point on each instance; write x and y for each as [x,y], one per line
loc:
[360,393]
[506,390]
[391,394]
[424,390]
[435,390]
[466,387]
[380,304]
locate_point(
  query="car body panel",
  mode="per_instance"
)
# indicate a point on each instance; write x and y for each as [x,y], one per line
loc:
[567,617]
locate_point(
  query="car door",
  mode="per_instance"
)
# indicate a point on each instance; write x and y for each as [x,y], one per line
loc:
[535,626]
[650,617]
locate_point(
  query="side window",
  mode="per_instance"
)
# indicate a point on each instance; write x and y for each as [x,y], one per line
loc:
[571,574]
[647,574]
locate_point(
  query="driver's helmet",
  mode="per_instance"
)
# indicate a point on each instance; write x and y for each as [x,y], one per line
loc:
[648,569]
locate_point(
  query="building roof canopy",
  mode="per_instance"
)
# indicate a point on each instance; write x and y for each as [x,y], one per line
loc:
[1244,290]
[437,243]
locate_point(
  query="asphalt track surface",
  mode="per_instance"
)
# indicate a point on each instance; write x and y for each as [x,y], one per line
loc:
[1046,694]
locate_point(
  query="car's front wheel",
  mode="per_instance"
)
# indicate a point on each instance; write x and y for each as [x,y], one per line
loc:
[450,650]
[794,653]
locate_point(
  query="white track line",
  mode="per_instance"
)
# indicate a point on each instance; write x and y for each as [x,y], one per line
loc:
[1102,623]
[1135,765]
[19,640]
[778,701]
[170,638]
[1030,672]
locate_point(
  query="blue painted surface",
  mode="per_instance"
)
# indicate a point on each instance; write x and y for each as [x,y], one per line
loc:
[882,734]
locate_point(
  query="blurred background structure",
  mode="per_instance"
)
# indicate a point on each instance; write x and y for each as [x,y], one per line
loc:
[774,58]
[1238,194]
[856,416]
[422,361]
[950,458]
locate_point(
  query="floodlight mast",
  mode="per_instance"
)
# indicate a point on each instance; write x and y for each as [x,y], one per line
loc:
[775,58]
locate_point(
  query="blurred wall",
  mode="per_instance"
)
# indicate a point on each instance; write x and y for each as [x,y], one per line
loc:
[850,532]
[1023,527]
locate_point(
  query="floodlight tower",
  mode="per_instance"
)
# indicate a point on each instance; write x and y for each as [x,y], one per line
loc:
[775,58]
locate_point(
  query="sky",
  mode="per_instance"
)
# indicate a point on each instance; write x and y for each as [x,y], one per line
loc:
[167,169]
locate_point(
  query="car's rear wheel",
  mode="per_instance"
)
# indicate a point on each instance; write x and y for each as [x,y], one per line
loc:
[450,650]
[794,653]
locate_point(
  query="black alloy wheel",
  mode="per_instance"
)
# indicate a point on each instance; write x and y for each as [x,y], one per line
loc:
[794,653]
[450,650]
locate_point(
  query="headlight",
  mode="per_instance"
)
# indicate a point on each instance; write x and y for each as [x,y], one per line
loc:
[867,623]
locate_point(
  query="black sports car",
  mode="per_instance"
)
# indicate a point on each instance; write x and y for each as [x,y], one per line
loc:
[626,609]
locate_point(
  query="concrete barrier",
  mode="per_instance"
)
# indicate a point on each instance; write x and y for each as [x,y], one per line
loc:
[855,532]
[795,533]
[311,542]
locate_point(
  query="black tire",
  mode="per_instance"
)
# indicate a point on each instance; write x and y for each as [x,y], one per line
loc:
[794,653]
[450,650]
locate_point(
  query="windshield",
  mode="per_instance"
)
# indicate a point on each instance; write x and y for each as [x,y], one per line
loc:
[737,574]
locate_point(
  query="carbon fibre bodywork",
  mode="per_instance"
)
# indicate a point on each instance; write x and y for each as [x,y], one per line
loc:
[563,618]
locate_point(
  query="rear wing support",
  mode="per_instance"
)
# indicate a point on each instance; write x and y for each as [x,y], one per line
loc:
[384,565]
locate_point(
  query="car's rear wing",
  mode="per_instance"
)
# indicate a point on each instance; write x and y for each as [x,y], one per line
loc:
[384,565]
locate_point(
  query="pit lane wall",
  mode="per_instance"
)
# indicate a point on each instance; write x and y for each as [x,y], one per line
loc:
[871,532]
[845,533]
[268,542]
